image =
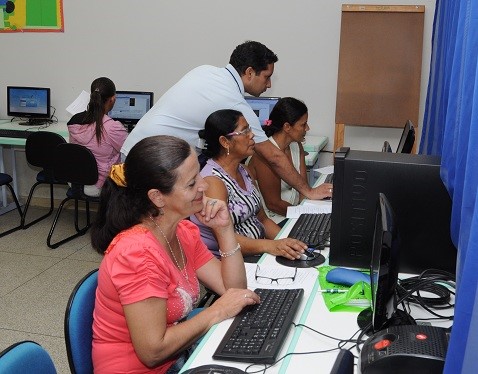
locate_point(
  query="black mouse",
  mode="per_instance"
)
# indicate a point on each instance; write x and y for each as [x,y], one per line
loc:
[213,369]
[307,255]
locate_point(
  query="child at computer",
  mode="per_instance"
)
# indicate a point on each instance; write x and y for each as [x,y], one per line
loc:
[95,130]
[286,129]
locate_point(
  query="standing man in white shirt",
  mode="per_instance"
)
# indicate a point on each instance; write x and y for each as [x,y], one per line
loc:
[183,109]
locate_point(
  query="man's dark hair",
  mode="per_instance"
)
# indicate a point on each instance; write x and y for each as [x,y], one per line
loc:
[253,54]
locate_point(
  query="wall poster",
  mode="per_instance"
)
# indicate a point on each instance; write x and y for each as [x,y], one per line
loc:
[31,16]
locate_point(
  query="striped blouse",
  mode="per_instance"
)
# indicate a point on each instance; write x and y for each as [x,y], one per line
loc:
[244,205]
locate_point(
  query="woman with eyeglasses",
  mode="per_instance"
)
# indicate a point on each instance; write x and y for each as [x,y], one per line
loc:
[229,140]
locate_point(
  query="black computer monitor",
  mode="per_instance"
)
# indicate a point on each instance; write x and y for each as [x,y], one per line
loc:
[130,106]
[30,103]
[262,106]
[421,203]
[407,139]
[386,147]
[384,268]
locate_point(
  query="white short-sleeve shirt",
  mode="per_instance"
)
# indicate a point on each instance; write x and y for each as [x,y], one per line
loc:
[184,108]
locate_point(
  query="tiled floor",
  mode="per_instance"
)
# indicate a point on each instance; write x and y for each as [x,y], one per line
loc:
[36,282]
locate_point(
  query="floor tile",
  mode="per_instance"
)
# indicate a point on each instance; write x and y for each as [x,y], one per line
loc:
[39,305]
[18,269]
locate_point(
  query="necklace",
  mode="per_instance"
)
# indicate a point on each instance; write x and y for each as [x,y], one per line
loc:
[183,271]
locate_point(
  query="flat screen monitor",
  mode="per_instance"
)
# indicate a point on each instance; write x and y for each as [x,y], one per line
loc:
[407,139]
[386,147]
[262,106]
[31,103]
[383,269]
[421,203]
[130,106]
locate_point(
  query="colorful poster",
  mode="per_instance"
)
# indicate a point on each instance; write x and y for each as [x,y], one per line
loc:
[31,16]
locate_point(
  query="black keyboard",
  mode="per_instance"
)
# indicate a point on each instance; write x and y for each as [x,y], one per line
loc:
[11,133]
[329,178]
[311,228]
[259,331]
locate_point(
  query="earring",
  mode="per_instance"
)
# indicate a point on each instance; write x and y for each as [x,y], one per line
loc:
[227,154]
[161,211]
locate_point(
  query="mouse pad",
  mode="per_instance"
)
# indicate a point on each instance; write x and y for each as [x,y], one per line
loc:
[319,259]
[213,369]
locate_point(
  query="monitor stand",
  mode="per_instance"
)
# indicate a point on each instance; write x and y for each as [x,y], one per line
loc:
[34,122]
[398,318]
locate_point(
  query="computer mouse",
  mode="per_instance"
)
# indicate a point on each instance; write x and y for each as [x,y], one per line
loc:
[213,369]
[346,277]
[307,255]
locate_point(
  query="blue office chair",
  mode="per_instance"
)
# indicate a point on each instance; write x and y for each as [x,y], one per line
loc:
[6,180]
[79,324]
[75,164]
[26,357]
[39,150]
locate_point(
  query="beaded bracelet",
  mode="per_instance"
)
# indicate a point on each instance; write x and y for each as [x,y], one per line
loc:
[227,254]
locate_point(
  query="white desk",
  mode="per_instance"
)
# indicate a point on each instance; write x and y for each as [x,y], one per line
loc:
[313,313]
[9,145]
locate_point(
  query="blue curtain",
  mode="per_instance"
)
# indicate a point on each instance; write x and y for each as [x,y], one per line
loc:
[450,129]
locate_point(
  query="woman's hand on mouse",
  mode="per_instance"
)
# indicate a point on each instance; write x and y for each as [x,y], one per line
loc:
[287,247]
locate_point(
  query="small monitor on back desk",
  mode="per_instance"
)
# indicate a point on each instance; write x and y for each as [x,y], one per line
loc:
[386,147]
[29,103]
[130,106]
[405,145]
[262,106]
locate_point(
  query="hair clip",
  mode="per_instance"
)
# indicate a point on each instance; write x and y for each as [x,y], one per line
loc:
[267,122]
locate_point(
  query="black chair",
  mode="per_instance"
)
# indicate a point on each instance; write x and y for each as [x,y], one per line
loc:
[39,149]
[5,180]
[75,164]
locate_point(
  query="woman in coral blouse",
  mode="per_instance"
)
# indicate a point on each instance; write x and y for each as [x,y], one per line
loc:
[148,281]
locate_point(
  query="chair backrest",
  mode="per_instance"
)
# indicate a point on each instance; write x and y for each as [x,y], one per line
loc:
[79,324]
[26,357]
[40,148]
[5,179]
[76,164]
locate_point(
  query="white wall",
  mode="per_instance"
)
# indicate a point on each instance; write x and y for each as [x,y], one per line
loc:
[149,45]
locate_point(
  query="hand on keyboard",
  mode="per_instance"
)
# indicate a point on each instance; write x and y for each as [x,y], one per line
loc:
[231,303]
[259,332]
[288,247]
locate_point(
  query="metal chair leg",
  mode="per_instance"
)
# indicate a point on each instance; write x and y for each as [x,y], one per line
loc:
[27,205]
[19,209]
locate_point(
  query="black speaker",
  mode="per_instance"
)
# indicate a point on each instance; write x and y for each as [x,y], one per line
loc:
[405,349]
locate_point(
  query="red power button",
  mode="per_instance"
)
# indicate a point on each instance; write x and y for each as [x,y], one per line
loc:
[421,336]
[382,344]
